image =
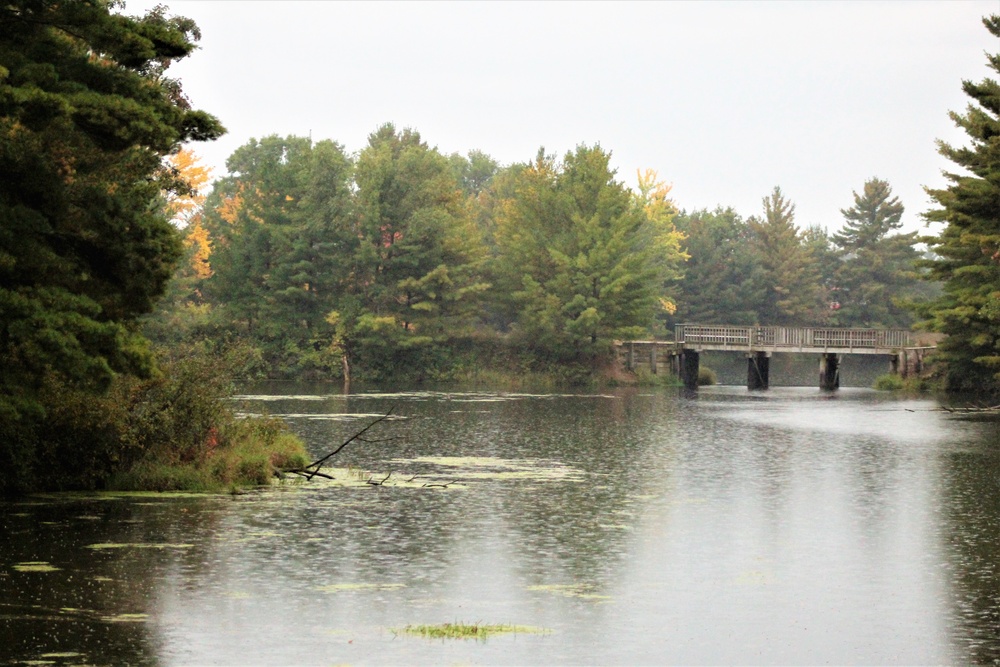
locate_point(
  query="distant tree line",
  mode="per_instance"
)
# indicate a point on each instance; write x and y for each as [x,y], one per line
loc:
[404,262]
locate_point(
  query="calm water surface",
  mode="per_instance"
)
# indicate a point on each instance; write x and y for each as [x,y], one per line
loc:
[635,526]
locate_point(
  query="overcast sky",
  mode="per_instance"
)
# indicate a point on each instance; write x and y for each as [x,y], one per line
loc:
[724,100]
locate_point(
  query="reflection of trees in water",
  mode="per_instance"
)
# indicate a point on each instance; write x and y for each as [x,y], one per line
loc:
[95,603]
[972,529]
[578,532]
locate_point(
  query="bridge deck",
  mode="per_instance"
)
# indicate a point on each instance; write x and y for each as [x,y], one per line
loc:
[791,339]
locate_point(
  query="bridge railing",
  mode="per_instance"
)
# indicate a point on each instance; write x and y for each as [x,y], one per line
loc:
[791,337]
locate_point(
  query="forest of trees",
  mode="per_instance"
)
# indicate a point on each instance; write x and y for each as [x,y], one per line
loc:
[396,262]
[400,262]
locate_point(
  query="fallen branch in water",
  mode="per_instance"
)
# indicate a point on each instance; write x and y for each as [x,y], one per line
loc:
[313,469]
[992,408]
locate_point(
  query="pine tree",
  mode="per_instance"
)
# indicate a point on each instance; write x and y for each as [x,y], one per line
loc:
[581,260]
[87,115]
[722,280]
[790,278]
[415,275]
[968,248]
[877,272]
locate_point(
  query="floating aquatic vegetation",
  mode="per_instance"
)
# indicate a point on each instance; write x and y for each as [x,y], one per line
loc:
[126,618]
[477,631]
[357,478]
[237,595]
[335,416]
[36,566]
[582,591]
[337,588]
[139,545]
[486,467]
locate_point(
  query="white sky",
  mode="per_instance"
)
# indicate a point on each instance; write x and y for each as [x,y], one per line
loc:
[724,99]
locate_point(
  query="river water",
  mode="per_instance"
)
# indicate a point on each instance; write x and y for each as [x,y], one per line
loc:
[632,526]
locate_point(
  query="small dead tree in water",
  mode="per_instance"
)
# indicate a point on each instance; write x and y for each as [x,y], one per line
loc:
[313,469]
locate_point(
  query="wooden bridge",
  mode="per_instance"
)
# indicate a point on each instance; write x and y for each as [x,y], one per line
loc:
[758,343]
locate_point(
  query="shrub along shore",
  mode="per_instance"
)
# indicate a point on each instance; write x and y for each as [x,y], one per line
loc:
[175,431]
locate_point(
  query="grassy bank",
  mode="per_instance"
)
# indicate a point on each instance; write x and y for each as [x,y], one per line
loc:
[175,431]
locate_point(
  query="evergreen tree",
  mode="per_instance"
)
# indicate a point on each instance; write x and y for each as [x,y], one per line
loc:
[87,115]
[968,248]
[722,280]
[878,269]
[415,277]
[827,262]
[281,226]
[790,278]
[581,260]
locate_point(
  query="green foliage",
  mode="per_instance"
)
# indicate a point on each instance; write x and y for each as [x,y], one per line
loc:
[722,279]
[967,251]
[173,431]
[888,382]
[877,272]
[789,275]
[706,376]
[86,114]
[579,261]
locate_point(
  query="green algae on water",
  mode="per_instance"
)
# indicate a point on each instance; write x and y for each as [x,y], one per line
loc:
[581,591]
[126,618]
[139,545]
[337,588]
[492,468]
[477,631]
[36,566]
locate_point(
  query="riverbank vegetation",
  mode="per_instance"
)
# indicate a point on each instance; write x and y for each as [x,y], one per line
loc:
[396,263]
[87,116]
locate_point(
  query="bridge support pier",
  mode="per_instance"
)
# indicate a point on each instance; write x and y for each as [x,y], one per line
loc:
[908,362]
[829,371]
[689,368]
[758,370]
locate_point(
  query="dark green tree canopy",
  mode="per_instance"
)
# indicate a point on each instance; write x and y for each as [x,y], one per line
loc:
[790,278]
[86,116]
[967,250]
[877,274]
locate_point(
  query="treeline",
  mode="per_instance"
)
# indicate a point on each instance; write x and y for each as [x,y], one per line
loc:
[403,262]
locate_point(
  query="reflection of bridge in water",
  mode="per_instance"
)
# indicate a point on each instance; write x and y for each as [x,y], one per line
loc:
[759,343]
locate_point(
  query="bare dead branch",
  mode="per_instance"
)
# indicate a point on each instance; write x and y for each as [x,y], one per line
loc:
[317,464]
